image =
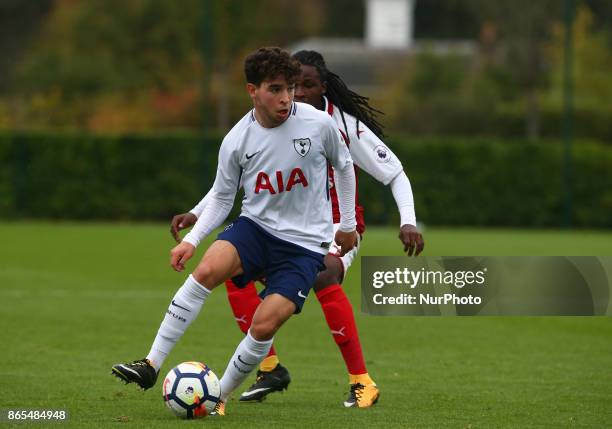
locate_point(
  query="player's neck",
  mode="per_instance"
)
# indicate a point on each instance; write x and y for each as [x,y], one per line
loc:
[266,122]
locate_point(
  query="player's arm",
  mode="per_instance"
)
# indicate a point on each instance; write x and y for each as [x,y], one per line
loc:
[373,156]
[409,235]
[185,220]
[340,158]
[216,209]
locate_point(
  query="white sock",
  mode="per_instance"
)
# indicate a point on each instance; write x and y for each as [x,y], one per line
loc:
[183,309]
[247,357]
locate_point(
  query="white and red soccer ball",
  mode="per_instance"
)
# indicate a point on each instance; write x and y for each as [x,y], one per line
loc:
[191,390]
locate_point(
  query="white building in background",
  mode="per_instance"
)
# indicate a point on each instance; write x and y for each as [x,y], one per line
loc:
[389,23]
[387,43]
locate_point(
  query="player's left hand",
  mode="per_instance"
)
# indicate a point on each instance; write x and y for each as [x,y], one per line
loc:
[412,239]
[346,241]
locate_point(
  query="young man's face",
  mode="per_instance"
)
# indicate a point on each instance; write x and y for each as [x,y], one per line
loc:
[309,88]
[272,100]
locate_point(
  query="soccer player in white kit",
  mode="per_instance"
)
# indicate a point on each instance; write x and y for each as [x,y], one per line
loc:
[362,133]
[280,153]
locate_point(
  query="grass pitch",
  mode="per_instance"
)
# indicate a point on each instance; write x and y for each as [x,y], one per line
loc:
[77,298]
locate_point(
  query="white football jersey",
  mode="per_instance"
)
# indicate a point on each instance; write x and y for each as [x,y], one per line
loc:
[284,174]
[368,151]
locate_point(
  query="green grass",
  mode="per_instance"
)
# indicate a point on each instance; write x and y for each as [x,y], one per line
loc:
[76,298]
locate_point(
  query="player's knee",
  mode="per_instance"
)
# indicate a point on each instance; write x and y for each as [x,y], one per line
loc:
[204,274]
[327,278]
[263,330]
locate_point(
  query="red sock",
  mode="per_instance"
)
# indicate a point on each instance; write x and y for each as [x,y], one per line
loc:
[244,301]
[340,319]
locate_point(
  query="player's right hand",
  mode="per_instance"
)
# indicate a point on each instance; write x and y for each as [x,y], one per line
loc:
[346,241]
[181,221]
[180,255]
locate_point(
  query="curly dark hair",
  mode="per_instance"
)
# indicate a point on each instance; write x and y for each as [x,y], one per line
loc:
[339,94]
[268,63]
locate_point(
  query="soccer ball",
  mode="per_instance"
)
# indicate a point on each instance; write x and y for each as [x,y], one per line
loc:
[191,390]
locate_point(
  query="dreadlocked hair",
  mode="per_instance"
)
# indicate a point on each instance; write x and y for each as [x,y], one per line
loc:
[339,94]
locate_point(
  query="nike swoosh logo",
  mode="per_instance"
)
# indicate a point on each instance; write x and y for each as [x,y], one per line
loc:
[176,305]
[125,368]
[301,295]
[246,363]
[252,155]
[252,392]
[240,369]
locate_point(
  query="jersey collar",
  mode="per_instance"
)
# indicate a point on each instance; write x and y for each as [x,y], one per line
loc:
[329,107]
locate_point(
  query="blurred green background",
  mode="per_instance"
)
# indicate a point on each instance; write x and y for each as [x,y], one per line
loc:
[499,110]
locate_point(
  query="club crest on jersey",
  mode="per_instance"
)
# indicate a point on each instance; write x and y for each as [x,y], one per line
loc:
[302,146]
